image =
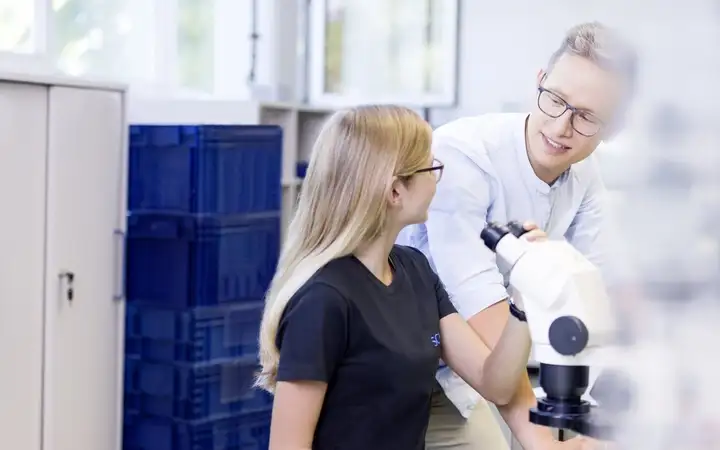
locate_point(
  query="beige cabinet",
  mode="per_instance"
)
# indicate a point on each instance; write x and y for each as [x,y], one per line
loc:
[62,169]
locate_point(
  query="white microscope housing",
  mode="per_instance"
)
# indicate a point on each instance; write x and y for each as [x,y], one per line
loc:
[569,315]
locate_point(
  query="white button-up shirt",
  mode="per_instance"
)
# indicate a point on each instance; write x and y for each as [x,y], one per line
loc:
[488,177]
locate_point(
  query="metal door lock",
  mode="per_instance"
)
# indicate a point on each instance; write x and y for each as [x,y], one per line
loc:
[69,278]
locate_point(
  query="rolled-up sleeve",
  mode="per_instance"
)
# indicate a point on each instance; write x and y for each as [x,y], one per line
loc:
[456,218]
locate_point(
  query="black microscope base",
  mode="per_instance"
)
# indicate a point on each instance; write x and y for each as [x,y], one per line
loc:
[587,424]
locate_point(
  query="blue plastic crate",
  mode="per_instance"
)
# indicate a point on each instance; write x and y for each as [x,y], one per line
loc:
[199,335]
[193,392]
[301,169]
[208,169]
[244,432]
[186,261]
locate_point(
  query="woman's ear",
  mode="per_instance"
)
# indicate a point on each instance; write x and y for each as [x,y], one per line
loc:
[397,189]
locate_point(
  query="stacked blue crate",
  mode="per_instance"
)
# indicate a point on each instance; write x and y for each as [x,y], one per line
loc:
[203,242]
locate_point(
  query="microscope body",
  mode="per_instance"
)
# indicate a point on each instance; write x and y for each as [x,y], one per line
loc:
[569,315]
[564,297]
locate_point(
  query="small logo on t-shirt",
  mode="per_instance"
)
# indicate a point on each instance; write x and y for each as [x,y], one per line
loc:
[435,339]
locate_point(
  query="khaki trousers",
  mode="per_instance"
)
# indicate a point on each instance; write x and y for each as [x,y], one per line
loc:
[449,430]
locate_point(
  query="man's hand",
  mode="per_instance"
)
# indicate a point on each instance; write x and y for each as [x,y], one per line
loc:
[534,233]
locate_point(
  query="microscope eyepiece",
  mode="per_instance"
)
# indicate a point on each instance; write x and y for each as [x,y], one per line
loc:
[492,233]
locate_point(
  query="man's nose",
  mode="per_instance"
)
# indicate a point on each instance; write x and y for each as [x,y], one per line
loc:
[562,126]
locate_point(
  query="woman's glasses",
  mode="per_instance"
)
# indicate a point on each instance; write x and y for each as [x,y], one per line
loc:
[437,168]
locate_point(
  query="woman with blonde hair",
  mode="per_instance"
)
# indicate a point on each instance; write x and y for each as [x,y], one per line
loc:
[354,326]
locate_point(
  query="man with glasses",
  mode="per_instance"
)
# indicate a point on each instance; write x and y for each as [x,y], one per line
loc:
[536,167]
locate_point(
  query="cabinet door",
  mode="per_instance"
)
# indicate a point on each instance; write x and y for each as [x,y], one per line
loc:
[23,133]
[84,315]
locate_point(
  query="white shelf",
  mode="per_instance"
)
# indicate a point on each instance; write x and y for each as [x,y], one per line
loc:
[309,122]
[291,182]
[300,124]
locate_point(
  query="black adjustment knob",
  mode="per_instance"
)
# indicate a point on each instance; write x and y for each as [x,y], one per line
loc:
[516,228]
[568,335]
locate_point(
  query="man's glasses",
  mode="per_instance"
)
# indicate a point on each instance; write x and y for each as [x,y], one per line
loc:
[437,168]
[584,122]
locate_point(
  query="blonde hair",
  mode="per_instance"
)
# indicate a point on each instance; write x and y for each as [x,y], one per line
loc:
[342,203]
[603,46]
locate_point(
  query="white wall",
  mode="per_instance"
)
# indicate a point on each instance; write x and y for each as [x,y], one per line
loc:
[503,45]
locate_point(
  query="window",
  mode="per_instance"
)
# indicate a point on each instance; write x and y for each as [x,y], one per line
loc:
[160,47]
[18,26]
[108,39]
[195,44]
[383,51]
[152,43]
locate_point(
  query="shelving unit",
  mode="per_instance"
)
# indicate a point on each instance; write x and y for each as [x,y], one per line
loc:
[300,124]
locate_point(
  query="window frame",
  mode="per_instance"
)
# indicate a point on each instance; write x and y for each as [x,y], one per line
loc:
[317,11]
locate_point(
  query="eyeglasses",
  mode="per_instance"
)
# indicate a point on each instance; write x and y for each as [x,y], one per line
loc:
[437,168]
[584,122]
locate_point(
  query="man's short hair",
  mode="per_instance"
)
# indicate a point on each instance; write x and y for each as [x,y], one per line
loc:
[603,46]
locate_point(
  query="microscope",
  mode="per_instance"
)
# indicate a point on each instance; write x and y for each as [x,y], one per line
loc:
[570,320]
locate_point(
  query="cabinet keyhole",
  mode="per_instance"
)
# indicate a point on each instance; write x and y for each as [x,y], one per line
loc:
[69,278]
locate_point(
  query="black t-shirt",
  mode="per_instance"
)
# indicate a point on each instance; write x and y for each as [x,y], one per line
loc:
[376,346]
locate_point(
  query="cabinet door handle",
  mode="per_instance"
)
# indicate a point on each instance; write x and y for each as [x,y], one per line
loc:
[69,278]
[119,265]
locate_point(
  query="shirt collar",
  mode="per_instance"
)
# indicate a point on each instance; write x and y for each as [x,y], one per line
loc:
[527,172]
